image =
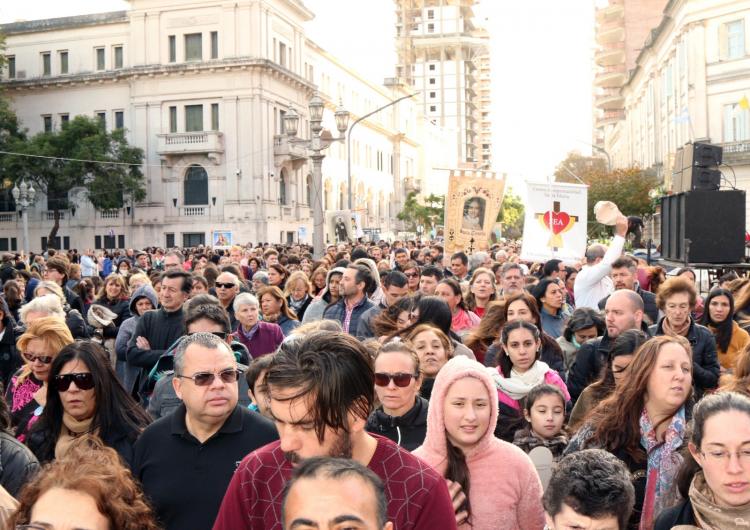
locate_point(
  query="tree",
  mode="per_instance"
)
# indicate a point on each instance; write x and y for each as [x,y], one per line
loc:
[628,187]
[104,164]
[415,213]
[511,216]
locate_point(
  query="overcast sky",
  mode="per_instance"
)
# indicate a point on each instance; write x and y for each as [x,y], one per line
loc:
[541,65]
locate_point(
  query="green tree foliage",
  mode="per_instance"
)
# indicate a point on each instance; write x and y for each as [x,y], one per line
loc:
[628,188]
[416,213]
[106,183]
[511,216]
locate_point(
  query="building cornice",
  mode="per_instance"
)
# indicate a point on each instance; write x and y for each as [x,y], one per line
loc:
[54,24]
[134,72]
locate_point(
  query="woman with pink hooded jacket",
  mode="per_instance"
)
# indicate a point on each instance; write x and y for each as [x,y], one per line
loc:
[494,483]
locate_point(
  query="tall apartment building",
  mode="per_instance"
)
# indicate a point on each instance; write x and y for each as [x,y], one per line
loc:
[439,50]
[622,27]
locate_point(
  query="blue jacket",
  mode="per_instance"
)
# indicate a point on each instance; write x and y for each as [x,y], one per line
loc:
[337,312]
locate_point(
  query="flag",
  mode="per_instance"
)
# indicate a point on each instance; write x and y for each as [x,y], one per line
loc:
[744,103]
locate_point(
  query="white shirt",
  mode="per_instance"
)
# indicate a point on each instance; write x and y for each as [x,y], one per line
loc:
[88,267]
[593,282]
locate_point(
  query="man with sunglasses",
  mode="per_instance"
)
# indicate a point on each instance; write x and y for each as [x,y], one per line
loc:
[321,390]
[185,460]
[227,287]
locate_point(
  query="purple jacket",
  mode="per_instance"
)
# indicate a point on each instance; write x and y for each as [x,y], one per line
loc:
[265,339]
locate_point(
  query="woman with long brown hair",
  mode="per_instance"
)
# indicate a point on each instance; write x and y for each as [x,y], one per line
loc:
[643,423]
[483,336]
[522,306]
[482,291]
[274,308]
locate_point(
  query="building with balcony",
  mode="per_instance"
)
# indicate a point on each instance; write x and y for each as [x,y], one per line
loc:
[688,84]
[443,54]
[621,27]
[205,100]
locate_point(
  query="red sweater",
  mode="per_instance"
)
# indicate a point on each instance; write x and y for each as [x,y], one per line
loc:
[417,496]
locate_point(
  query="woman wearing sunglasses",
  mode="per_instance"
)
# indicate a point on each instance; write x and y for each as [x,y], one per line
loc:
[402,414]
[85,397]
[27,393]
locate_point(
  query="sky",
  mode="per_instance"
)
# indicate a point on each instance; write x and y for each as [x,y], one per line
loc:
[541,51]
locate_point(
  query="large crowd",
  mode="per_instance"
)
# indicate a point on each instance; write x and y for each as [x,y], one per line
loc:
[380,386]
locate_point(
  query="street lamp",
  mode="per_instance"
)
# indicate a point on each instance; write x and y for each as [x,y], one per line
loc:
[24,197]
[315,147]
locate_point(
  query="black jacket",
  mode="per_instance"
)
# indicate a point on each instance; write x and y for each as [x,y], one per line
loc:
[676,515]
[76,323]
[161,329]
[74,301]
[10,359]
[18,465]
[589,361]
[705,361]
[408,430]
[649,303]
[121,308]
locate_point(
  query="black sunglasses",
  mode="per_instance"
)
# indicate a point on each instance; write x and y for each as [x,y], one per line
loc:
[225,285]
[30,357]
[229,375]
[400,379]
[83,381]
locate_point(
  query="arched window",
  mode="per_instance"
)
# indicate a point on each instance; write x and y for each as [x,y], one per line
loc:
[282,187]
[196,186]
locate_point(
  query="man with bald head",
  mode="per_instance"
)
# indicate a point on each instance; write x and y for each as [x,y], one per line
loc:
[593,282]
[227,287]
[623,311]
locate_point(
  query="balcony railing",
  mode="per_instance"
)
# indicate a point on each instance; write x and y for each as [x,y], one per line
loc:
[194,211]
[7,217]
[735,152]
[210,143]
[50,216]
[109,214]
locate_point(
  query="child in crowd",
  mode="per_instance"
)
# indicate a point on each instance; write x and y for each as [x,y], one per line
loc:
[544,411]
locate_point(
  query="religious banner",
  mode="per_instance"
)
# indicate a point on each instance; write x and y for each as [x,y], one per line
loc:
[342,226]
[471,208]
[222,239]
[555,222]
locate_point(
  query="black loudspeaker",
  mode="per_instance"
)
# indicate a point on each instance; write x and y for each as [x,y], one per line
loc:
[699,167]
[713,221]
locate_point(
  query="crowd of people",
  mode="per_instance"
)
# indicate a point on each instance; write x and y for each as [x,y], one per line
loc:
[380,386]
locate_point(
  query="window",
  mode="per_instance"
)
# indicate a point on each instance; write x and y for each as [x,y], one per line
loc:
[173,119]
[100,58]
[433,94]
[109,241]
[214,45]
[430,14]
[432,80]
[63,62]
[214,116]
[282,54]
[118,56]
[119,119]
[431,67]
[46,64]
[736,123]
[430,28]
[102,116]
[47,123]
[11,67]
[196,186]
[193,118]
[120,241]
[64,118]
[170,240]
[193,239]
[282,187]
[309,187]
[735,39]
[433,108]
[172,50]
[193,47]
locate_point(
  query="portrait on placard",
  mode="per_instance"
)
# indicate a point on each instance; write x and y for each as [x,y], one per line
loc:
[339,227]
[473,213]
[222,238]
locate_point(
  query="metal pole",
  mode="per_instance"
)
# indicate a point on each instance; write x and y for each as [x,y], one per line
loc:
[318,228]
[25,217]
[609,159]
[349,136]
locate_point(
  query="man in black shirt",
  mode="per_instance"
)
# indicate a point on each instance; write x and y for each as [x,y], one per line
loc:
[186,459]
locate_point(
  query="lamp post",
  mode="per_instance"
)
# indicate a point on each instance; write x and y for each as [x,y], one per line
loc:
[24,197]
[315,147]
[349,137]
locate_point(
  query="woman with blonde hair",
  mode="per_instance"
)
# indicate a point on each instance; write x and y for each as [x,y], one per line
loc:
[27,393]
[297,291]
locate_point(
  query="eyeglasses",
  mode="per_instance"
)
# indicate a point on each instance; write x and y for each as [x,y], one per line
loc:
[30,357]
[229,375]
[83,381]
[220,334]
[721,456]
[412,275]
[400,379]
[225,285]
